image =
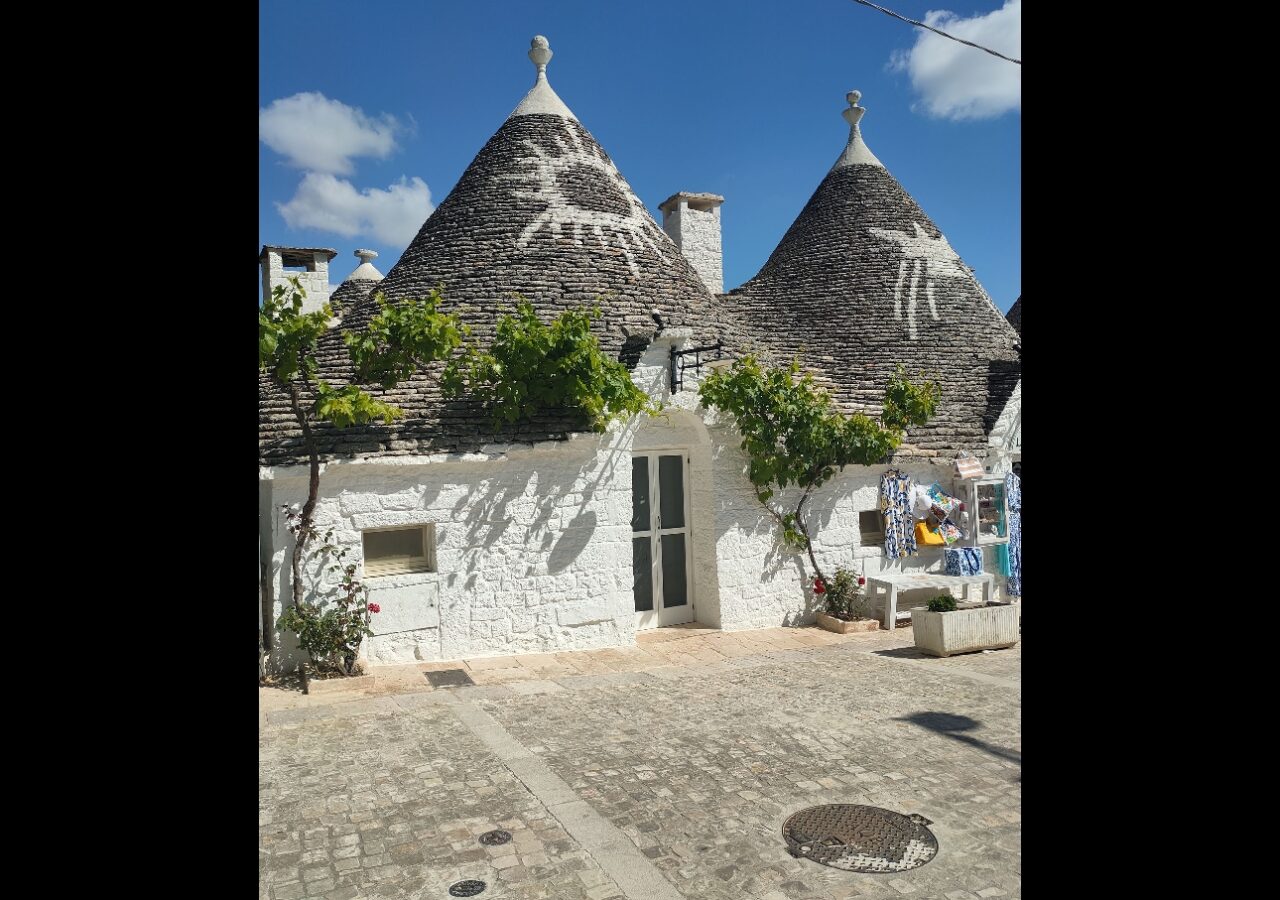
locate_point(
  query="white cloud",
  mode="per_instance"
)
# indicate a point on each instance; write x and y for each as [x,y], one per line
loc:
[332,204]
[959,82]
[321,135]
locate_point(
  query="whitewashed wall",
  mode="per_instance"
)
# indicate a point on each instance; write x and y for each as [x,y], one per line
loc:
[533,544]
[532,548]
[761,583]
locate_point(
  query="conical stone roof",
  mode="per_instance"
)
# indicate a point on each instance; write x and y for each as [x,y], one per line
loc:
[541,212]
[1015,316]
[863,281]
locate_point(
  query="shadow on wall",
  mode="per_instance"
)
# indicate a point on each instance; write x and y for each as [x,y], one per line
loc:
[485,509]
[952,726]
[574,538]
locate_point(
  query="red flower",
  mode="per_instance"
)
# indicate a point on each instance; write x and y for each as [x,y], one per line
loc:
[818,586]
[861,581]
[373,607]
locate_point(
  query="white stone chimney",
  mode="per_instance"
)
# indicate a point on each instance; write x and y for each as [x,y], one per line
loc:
[310,265]
[693,222]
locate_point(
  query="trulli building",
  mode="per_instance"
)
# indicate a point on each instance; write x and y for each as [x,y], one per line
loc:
[543,536]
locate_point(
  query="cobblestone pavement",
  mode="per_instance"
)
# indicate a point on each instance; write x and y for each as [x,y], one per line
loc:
[388,802]
[676,761]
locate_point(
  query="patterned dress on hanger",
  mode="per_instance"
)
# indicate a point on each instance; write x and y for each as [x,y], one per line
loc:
[896,506]
[1013,493]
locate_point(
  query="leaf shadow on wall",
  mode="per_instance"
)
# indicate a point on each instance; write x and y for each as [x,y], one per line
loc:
[573,540]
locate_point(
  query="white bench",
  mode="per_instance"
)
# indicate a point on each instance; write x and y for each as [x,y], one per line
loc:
[890,584]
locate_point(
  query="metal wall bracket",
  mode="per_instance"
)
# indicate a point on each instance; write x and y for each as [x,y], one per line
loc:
[679,363]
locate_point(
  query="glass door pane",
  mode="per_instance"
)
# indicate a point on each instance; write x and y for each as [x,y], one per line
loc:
[642,567]
[991,512]
[675,588]
[640,493]
[671,490]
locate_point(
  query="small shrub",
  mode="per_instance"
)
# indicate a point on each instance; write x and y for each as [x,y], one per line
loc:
[942,603]
[332,636]
[844,596]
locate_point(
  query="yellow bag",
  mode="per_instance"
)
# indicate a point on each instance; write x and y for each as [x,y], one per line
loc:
[927,538]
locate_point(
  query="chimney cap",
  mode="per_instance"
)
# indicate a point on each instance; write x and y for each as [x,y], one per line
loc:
[703,202]
[297,256]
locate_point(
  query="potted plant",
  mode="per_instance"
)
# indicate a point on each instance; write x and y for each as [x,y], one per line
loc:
[846,606]
[942,630]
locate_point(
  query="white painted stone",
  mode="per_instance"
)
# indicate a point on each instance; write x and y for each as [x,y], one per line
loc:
[541,99]
[533,543]
[692,221]
[1005,440]
[406,603]
[586,612]
[856,152]
[366,270]
[966,630]
[315,281]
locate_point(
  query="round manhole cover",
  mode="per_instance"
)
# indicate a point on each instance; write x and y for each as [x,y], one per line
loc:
[495,837]
[860,838]
[469,888]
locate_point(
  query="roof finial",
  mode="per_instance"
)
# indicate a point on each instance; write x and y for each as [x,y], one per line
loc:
[540,54]
[855,112]
[367,255]
[856,152]
[541,99]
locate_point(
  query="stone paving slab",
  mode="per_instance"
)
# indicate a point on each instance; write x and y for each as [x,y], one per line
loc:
[701,771]
[391,805]
[693,760]
[682,646]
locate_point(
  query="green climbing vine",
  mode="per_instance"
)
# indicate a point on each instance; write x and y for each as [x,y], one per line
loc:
[532,366]
[793,434]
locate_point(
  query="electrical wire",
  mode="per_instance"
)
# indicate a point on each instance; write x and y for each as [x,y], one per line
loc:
[889,12]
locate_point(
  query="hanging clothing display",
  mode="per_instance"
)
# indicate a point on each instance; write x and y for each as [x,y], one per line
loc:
[896,503]
[1002,559]
[1013,495]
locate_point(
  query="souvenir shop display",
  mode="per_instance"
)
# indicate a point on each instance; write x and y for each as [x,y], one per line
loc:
[988,509]
[962,560]
[897,504]
[1013,491]
[927,537]
[969,467]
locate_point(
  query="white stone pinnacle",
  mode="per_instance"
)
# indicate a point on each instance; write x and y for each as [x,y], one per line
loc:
[365,270]
[541,99]
[856,152]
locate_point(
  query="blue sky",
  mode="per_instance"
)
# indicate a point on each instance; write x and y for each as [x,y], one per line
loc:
[737,98]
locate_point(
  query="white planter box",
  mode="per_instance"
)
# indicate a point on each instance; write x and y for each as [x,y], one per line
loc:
[965,630]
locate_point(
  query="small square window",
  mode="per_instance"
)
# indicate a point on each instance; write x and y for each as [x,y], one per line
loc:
[871,524]
[396,551]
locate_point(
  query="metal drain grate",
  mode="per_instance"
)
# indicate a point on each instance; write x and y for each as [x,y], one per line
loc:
[469,888]
[495,837]
[450,678]
[860,838]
